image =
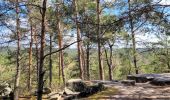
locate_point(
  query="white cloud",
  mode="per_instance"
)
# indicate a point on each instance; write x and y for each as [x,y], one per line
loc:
[165,2]
[109,0]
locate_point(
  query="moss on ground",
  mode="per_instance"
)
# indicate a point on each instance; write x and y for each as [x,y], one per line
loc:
[105,93]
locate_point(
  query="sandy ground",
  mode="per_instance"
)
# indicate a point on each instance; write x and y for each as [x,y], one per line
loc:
[141,91]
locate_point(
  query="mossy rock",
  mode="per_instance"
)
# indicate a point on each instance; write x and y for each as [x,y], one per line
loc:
[76,85]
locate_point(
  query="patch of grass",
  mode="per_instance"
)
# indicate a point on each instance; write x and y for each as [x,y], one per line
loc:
[105,93]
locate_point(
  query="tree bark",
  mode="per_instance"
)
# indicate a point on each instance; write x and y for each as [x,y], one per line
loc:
[88,58]
[30,57]
[133,41]
[60,41]
[50,63]
[109,61]
[79,44]
[41,72]
[101,72]
[18,68]
[37,52]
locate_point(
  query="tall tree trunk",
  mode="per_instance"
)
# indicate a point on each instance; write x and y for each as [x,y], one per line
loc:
[18,68]
[86,55]
[60,41]
[41,72]
[88,58]
[30,57]
[83,61]
[109,61]
[101,72]
[36,53]
[79,44]
[50,63]
[133,40]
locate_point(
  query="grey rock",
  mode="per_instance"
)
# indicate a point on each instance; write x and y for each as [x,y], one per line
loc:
[76,85]
[5,90]
[143,78]
[54,96]
[76,88]
[154,79]
[128,82]
[69,92]
[161,81]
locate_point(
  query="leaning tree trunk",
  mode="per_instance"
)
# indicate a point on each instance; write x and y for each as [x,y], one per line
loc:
[18,69]
[41,65]
[79,44]
[101,72]
[133,41]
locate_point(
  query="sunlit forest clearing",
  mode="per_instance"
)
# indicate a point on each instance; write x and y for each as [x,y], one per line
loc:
[84,49]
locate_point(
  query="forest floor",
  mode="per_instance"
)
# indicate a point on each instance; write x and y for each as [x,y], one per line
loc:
[118,91]
[141,91]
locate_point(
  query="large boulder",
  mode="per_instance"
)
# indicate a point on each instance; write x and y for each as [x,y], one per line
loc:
[76,88]
[76,85]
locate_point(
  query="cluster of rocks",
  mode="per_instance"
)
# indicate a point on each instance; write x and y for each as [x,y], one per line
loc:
[5,91]
[76,88]
[154,79]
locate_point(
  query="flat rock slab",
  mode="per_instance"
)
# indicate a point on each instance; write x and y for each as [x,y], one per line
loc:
[154,79]
[142,78]
[161,81]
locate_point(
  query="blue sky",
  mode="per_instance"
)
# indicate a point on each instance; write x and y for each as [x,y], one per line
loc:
[139,37]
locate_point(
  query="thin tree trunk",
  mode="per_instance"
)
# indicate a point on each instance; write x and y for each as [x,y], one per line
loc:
[83,61]
[30,57]
[101,72]
[87,55]
[88,58]
[60,41]
[18,68]
[50,63]
[41,72]
[79,44]
[133,41]
[61,56]
[109,62]
[36,53]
